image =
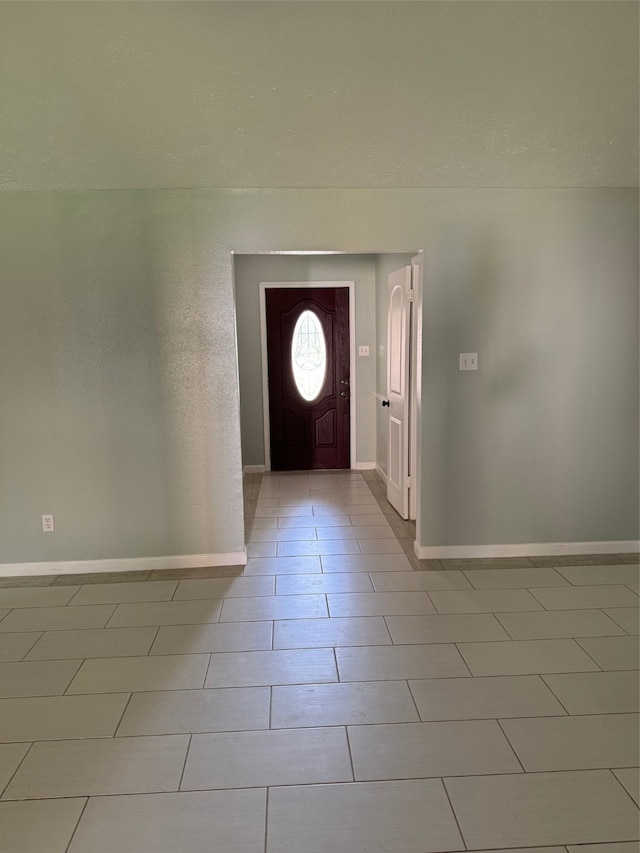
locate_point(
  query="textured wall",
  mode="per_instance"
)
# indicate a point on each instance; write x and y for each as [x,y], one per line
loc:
[117,379]
[118,368]
[252,269]
[106,95]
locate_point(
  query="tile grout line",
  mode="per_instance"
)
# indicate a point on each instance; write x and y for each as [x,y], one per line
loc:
[244,787]
[611,770]
[353,769]
[540,677]
[511,746]
[354,683]
[153,641]
[388,630]
[509,634]
[124,711]
[110,617]
[413,699]
[75,594]
[73,677]
[184,765]
[335,658]
[13,775]
[602,609]
[75,828]
[31,647]
[453,812]
[464,660]
[341,725]
[266,819]
[577,645]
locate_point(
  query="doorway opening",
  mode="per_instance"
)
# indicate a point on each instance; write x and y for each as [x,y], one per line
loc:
[364,379]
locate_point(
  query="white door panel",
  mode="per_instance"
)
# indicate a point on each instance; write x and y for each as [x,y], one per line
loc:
[398,349]
[394,467]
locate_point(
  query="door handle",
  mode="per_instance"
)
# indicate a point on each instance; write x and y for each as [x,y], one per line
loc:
[345,394]
[344,381]
[385,403]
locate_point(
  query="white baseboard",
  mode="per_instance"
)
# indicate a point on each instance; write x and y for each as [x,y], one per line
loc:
[355,466]
[381,473]
[135,564]
[535,549]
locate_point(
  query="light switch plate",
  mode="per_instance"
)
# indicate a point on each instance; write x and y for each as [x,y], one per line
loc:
[468,361]
[363,350]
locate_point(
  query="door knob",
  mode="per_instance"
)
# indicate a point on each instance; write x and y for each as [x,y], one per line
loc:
[385,403]
[344,381]
[345,394]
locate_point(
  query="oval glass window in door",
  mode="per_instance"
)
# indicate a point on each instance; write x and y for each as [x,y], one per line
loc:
[308,355]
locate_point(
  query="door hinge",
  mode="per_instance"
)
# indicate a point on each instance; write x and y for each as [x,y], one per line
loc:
[408,482]
[410,295]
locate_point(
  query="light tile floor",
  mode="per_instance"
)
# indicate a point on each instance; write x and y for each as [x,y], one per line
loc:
[336,695]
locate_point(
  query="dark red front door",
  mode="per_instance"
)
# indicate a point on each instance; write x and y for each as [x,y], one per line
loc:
[308,368]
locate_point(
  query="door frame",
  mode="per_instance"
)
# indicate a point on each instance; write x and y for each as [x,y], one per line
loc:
[415,387]
[307,285]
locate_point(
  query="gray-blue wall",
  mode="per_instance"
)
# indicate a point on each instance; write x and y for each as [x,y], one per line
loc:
[119,394]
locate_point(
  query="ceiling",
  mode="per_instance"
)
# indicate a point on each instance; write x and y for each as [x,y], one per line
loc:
[534,93]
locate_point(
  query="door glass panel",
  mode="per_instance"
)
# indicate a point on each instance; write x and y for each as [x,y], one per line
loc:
[395,343]
[308,355]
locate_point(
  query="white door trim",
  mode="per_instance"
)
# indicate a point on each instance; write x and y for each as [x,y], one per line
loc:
[531,549]
[269,285]
[415,391]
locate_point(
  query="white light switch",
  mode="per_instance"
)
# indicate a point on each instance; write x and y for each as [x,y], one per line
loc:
[363,350]
[468,361]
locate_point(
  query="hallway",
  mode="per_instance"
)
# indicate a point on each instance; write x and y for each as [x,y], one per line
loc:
[336,695]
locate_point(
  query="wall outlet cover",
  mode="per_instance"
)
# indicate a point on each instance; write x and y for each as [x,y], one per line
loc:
[468,361]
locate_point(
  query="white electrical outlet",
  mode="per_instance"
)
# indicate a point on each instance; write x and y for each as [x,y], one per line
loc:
[47,524]
[363,350]
[468,361]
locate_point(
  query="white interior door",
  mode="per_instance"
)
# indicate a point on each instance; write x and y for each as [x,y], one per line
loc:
[398,360]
